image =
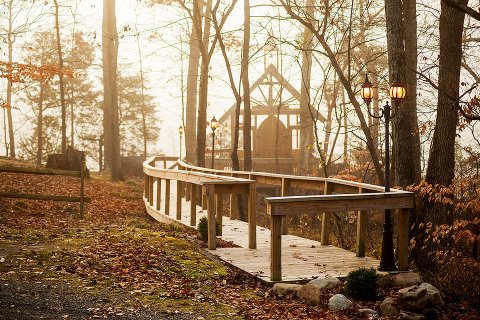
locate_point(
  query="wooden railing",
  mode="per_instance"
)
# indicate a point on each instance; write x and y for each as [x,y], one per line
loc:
[335,195]
[213,188]
[278,207]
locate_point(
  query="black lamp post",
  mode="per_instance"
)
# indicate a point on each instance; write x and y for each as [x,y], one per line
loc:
[180,131]
[213,126]
[397,94]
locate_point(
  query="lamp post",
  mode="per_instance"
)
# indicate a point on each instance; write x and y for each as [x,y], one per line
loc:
[397,94]
[180,131]
[213,126]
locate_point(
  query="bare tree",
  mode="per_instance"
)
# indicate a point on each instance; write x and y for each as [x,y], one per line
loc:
[16,27]
[441,161]
[62,87]
[296,11]
[247,113]
[110,107]
[306,125]
[192,83]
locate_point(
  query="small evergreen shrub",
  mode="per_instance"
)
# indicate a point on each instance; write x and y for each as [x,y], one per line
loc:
[362,284]
[203,228]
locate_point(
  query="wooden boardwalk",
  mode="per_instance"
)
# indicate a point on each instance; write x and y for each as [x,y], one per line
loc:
[302,259]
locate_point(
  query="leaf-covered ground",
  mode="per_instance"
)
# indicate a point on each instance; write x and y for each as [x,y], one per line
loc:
[117,262]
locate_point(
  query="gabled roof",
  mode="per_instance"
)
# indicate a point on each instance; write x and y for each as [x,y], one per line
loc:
[271,70]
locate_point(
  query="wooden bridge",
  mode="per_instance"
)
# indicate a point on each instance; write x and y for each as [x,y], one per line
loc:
[271,254]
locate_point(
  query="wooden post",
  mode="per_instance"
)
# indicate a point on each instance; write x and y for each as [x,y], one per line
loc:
[193,204]
[403,238]
[275,246]
[159,193]
[188,193]
[167,196]
[204,198]
[285,192]
[252,216]
[150,190]
[233,207]
[145,185]
[361,230]
[179,199]
[220,212]
[82,187]
[325,239]
[211,208]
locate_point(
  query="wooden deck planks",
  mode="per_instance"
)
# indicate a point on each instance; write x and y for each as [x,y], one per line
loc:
[302,259]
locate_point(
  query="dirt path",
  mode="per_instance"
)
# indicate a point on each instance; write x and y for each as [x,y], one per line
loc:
[43,300]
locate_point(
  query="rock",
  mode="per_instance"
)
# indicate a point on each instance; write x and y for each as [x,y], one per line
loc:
[421,298]
[325,283]
[367,311]
[407,279]
[312,291]
[283,289]
[429,287]
[310,294]
[411,316]
[388,307]
[383,280]
[339,302]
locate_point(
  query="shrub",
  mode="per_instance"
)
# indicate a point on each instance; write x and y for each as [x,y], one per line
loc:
[362,284]
[203,228]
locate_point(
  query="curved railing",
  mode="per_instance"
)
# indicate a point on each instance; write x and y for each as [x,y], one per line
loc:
[334,195]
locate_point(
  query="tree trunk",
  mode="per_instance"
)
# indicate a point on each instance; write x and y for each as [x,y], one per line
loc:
[62,88]
[192,86]
[40,126]
[247,114]
[441,161]
[10,40]
[203,95]
[238,99]
[402,123]
[110,107]
[410,24]
[306,126]
[142,92]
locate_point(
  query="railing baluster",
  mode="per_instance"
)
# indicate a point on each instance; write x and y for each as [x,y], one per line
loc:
[403,227]
[179,199]
[150,190]
[361,229]
[326,216]
[167,196]
[220,212]
[252,216]
[285,192]
[159,193]
[193,204]
[211,208]
[275,245]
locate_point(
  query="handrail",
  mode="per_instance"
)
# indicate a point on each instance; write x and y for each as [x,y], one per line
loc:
[278,207]
[360,197]
[308,179]
[213,187]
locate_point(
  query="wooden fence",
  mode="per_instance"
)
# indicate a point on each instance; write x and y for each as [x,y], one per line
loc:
[334,195]
[45,171]
[213,188]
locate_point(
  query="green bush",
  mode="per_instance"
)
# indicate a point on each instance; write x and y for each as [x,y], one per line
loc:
[362,284]
[203,228]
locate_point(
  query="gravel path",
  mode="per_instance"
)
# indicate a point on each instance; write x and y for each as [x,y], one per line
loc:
[23,301]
